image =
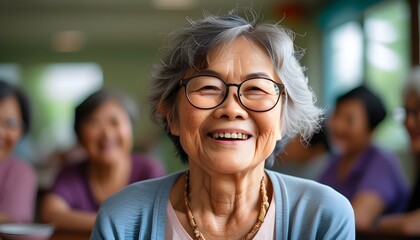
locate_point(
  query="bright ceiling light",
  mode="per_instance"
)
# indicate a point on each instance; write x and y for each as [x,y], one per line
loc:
[173,4]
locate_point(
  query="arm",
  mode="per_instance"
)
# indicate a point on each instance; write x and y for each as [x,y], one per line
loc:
[56,211]
[367,207]
[401,224]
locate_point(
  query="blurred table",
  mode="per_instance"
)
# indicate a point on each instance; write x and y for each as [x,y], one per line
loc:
[378,236]
[70,235]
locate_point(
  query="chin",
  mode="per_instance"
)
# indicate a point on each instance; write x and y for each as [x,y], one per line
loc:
[338,149]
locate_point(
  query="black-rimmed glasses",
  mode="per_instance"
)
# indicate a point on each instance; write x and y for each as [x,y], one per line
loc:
[256,94]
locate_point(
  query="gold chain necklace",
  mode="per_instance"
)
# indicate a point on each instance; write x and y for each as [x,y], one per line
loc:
[261,215]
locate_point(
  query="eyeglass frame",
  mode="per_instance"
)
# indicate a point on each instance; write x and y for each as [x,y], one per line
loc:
[184,82]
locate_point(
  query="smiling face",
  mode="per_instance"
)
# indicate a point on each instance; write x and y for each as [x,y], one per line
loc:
[412,121]
[107,133]
[349,128]
[10,125]
[229,139]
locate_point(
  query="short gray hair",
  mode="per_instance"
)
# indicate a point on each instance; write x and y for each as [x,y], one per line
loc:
[188,48]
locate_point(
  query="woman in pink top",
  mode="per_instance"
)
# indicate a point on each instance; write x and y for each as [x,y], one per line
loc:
[17,179]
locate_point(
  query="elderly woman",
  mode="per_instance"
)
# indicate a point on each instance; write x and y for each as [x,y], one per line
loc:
[103,125]
[18,182]
[408,223]
[227,90]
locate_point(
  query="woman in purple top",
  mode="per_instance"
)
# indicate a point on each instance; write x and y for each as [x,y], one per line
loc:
[18,181]
[367,175]
[103,125]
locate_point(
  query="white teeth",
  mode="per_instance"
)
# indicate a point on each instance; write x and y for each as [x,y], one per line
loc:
[231,135]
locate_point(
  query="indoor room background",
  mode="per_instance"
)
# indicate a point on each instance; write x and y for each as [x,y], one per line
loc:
[61,51]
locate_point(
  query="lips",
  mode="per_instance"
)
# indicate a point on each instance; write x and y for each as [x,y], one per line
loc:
[229,135]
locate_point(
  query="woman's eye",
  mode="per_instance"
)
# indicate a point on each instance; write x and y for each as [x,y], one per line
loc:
[209,89]
[253,90]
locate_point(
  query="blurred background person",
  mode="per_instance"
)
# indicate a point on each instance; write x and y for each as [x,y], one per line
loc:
[104,128]
[367,175]
[301,159]
[409,223]
[18,181]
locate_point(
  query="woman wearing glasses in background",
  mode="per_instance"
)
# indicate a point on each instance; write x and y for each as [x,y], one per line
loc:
[18,182]
[226,91]
[409,223]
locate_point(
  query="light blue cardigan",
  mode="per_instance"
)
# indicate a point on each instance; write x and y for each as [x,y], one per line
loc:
[304,210]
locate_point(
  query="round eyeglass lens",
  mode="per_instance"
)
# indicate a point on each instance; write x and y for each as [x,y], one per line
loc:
[257,94]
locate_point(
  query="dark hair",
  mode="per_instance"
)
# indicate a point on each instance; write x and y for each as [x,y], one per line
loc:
[8,90]
[85,109]
[374,107]
[320,137]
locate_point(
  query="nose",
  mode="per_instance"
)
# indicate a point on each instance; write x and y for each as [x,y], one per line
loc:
[231,108]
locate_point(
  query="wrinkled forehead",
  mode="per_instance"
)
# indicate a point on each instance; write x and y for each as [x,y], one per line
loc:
[241,48]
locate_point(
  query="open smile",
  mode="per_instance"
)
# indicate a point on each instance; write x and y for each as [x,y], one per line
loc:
[230,136]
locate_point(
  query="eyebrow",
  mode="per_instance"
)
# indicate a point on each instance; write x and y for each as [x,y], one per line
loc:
[216,74]
[257,75]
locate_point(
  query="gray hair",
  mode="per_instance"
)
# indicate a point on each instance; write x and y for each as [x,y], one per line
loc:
[413,81]
[188,49]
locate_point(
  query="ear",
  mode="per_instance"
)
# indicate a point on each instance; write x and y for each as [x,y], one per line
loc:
[172,123]
[173,126]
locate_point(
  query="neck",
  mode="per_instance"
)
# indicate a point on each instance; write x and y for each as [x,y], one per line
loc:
[347,162]
[261,214]
[225,195]
[109,171]
[106,179]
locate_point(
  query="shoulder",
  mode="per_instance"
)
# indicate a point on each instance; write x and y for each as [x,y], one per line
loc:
[139,197]
[383,163]
[72,171]
[141,205]
[17,167]
[145,161]
[378,154]
[297,188]
[71,178]
[145,167]
[312,207]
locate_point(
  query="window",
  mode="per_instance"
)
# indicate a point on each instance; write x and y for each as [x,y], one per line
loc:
[61,87]
[371,48]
